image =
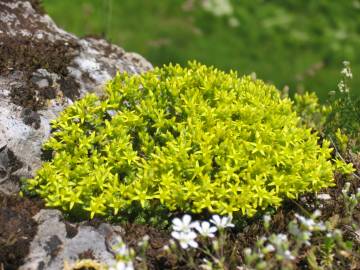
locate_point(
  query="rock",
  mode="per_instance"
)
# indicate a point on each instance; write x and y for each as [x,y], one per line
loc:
[43,69]
[55,243]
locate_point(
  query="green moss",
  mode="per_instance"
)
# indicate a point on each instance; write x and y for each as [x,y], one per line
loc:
[187,139]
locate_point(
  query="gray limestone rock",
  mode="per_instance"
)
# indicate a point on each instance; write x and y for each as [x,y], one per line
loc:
[55,243]
[43,69]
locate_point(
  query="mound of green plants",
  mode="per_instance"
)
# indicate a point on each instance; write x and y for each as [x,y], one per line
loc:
[191,139]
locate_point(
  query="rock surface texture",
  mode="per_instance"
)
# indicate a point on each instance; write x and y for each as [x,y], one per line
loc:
[57,242]
[43,69]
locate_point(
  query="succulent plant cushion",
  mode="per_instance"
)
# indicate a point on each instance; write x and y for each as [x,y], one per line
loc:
[191,139]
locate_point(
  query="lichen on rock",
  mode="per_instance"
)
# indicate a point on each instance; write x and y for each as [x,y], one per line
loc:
[43,69]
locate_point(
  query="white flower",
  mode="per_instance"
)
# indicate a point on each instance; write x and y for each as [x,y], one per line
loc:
[316,214]
[310,224]
[346,71]
[263,238]
[293,228]
[205,229]
[282,237]
[342,87]
[221,223]
[267,219]
[218,8]
[268,248]
[247,251]
[320,226]
[183,225]
[120,265]
[337,233]
[120,248]
[346,188]
[186,239]
[306,236]
[166,248]
[144,241]
[288,255]
[207,265]
[278,239]
[353,198]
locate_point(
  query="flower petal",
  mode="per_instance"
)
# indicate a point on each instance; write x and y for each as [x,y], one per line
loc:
[176,235]
[177,222]
[186,219]
[193,244]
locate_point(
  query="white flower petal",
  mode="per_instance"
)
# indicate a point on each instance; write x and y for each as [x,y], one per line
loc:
[186,219]
[184,245]
[191,235]
[223,222]
[205,225]
[177,223]
[212,229]
[215,220]
[195,224]
[193,244]
[176,235]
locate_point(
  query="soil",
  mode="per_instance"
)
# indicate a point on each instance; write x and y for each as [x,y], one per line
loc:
[17,229]
[156,258]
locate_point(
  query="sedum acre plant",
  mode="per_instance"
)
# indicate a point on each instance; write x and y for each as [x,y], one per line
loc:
[187,139]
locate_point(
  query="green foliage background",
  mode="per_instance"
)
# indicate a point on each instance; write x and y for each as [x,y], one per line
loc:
[296,43]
